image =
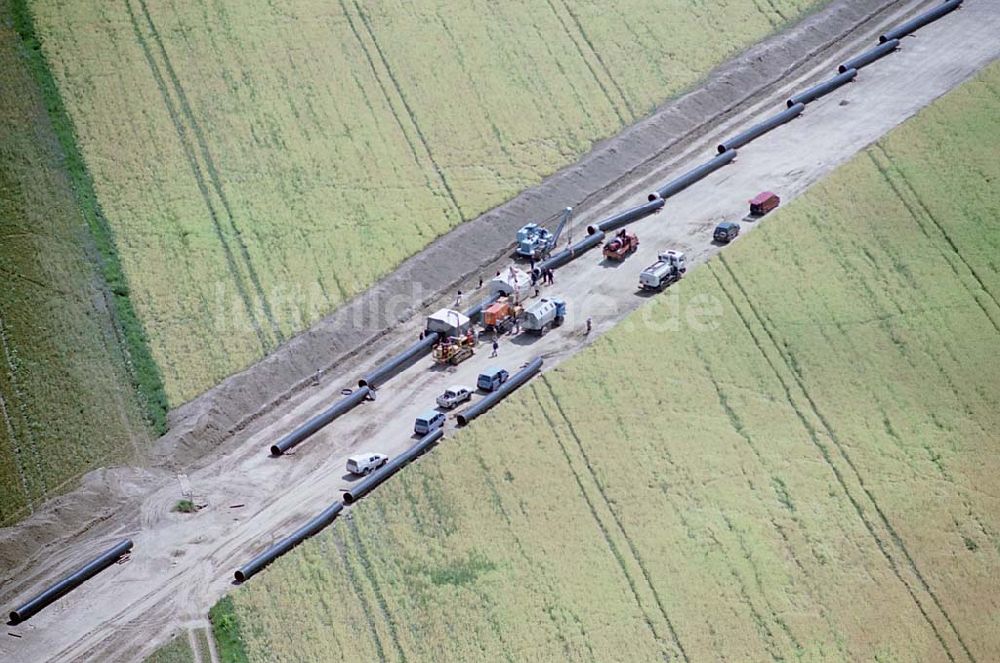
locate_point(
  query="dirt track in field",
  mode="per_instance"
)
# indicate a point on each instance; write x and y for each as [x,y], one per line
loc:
[183,563]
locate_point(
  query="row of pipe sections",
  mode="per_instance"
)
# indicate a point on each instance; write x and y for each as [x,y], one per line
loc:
[888,42]
[328,515]
[595,235]
[366,385]
[847,72]
[371,482]
[70,582]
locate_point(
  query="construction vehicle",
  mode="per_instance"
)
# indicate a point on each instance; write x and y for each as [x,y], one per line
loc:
[763,203]
[448,322]
[543,315]
[455,349]
[669,267]
[536,242]
[623,244]
[500,316]
[513,283]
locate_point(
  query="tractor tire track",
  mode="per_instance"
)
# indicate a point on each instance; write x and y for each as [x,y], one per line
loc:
[859,509]
[376,588]
[600,489]
[597,56]
[38,482]
[615,552]
[912,207]
[18,463]
[737,424]
[192,160]
[366,608]
[597,79]
[175,111]
[213,174]
[402,98]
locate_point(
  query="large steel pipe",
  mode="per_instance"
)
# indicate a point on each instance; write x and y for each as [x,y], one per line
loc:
[824,88]
[628,216]
[70,582]
[400,361]
[761,128]
[310,428]
[687,179]
[920,21]
[370,483]
[869,56]
[311,528]
[506,388]
[571,253]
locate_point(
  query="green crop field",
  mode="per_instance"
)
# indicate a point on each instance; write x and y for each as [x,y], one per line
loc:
[261,162]
[67,403]
[814,479]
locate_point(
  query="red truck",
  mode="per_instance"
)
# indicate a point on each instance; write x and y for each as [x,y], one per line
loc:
[621,245]
[763,203]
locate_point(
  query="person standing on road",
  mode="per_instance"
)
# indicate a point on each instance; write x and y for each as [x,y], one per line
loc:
[458,299]
[496,346]
[589,324]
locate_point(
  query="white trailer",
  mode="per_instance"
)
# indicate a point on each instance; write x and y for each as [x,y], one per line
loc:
[448,322]
[513,283]
[543,314]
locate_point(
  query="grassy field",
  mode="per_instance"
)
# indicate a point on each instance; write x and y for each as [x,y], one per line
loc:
[260,163]
[815,479]
[67,402]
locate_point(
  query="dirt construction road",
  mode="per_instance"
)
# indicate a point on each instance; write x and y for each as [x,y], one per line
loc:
[182,564]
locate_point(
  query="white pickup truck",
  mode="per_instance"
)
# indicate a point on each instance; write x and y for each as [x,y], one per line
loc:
[669,267]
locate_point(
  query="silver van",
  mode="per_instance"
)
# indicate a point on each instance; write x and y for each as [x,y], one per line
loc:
[428,421]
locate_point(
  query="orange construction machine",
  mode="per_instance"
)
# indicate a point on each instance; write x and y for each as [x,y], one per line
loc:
[499,316]
[623,244]
[455,349]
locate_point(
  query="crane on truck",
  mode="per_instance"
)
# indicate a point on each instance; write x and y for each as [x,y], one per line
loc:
[536,242]
[623,244]
[669,267]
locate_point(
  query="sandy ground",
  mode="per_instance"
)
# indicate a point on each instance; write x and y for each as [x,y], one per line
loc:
[182,564]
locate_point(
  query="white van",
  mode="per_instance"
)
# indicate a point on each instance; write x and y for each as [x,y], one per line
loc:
[366,463]
[428,421]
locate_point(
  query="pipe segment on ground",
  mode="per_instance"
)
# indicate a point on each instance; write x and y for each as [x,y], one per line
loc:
[397,363]
[761,128]
[628,216]
[312,426]
[502,392]
[914,24]
[869,56]
[70,582]
[370,483]
[687,179]
[571,253]
[311,528]
[824,88]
